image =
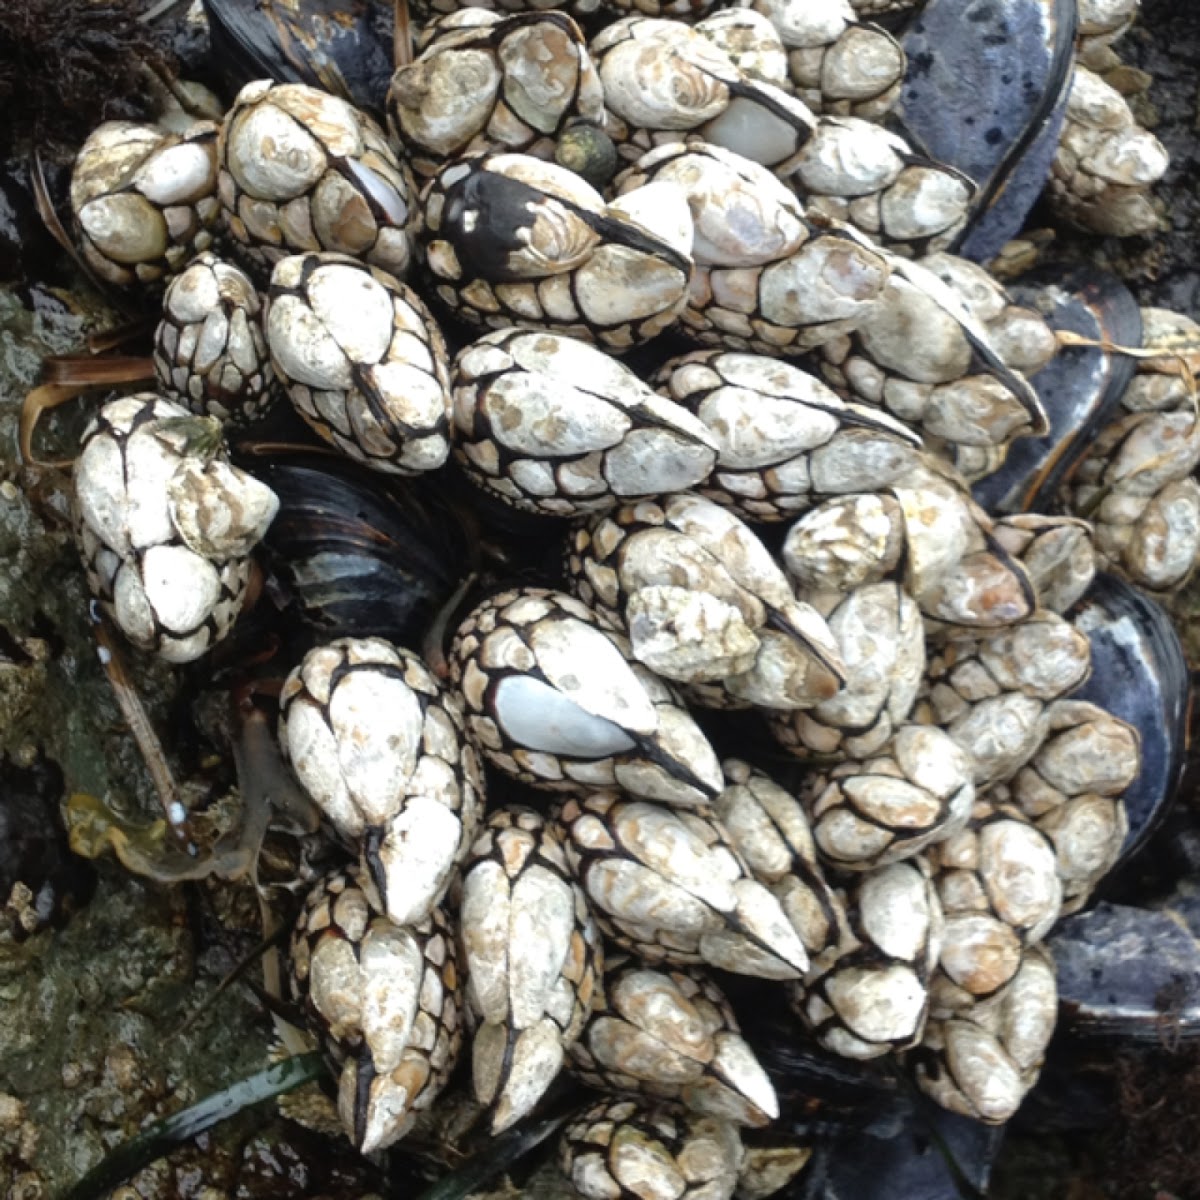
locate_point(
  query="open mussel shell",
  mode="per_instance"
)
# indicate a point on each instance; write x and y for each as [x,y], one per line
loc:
[1079,388]
[1140,674]
[1132,973]
[331,44]
[352,556]
[986,92]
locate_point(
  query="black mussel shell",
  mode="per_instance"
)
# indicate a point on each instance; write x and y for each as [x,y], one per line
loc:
[916,1151]
[26,249]
[1132,973]
[329,44]
[818,1092]
[1140,674]
[986,92]
[352,555]
[1079,388]
[41,880]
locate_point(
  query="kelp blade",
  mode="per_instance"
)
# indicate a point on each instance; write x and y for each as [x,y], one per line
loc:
[164,1136]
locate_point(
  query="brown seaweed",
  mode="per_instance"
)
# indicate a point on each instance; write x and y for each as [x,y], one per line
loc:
[67,64]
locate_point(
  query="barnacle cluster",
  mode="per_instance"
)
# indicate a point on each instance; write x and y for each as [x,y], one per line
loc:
[778,522]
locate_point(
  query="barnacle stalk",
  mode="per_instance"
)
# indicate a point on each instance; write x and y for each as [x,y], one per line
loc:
[402,44]
[112,659]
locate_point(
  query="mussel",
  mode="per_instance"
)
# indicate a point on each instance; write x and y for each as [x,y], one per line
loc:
[1140,674]
[330,44]
[1132,972]
[1079,388]
[917,1152]
[986,92]
[352,556]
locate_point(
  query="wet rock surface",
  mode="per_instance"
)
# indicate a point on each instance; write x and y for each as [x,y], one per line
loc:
[95,1035]
[1167,46]
[1163,270]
